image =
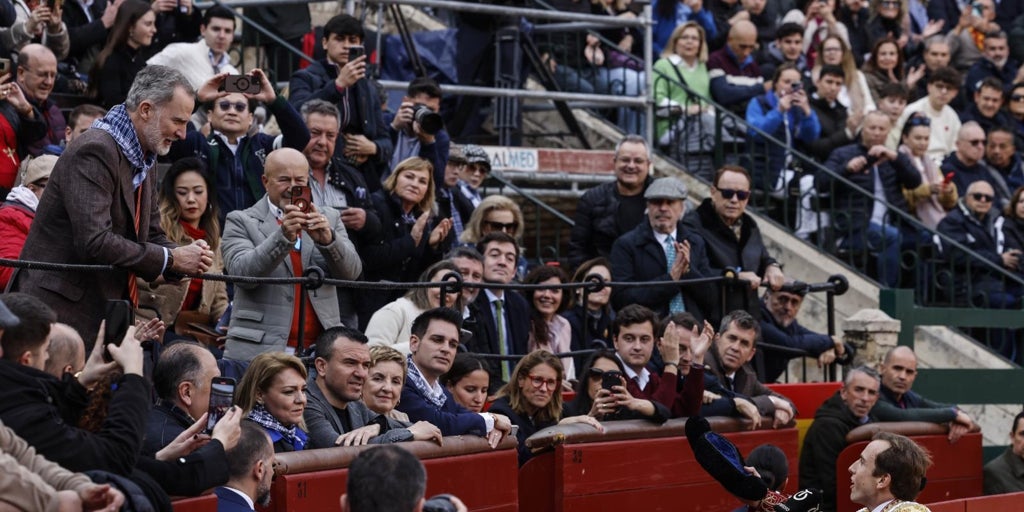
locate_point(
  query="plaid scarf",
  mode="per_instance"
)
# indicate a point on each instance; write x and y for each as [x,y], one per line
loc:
[262,417]
[120,127]
[415,378]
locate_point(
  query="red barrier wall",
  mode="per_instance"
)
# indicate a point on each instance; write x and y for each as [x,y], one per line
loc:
[207,503]
[998,503]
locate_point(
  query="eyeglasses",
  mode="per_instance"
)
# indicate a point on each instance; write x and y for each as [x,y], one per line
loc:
[239,106]
[984,198]
[975,142]
[919,121]
[634,161]
[889,3]
[540,382]
[727,193]
[509,228]
[1017,97]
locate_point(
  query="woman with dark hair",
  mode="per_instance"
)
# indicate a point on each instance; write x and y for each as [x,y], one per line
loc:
[548,330]
[272,393]
[124,54]
[532,398]
[885,66]
[1013,226]
[467,380]
[391,325]
[934,197]
[596,313]
[188,212]
[607,405]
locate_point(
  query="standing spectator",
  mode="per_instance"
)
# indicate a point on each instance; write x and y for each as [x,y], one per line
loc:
[854,95]
[37,74]
[203,59]
[38,24]
[123,55]
[392,323]
[182,381]
[336,80]
[967,37]
[935,196]
[668,15]
[943,84]
[98,187]
[608,210]
[88,26]
[967,165]
[1003,159]
[276,238]
[780,327]
[896,457]
[548,329]
[250,472]
[1015,107]
[411,138]
[19,209]
[663,249]
[987,107]
[848,408]
[885,66]
[590,319]
[995,63]
[735,76]
[176,21]
[887,21]
[1004,473]
[787,48]
[272,394]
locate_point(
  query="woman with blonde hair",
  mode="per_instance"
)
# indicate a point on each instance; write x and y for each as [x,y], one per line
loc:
[272,393]
[497,213]
[391,325]
[855,93]
[685,122]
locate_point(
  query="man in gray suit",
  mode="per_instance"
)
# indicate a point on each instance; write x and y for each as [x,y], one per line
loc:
[100,209]
[275,238]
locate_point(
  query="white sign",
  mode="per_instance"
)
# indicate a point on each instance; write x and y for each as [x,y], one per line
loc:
[512,159]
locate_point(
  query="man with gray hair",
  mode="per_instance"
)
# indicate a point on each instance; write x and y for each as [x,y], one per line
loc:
[66,350]
[99,207]
[182,380]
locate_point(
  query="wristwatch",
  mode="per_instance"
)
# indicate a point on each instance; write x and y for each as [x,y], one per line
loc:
[170,260]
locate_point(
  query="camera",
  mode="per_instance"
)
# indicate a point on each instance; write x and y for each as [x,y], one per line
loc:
[439,503]
[242,83]
[430,122]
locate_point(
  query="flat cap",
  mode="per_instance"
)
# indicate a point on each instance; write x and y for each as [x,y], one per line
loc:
[666,188]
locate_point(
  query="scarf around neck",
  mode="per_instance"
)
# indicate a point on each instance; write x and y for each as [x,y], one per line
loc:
[420,383]
[294,435]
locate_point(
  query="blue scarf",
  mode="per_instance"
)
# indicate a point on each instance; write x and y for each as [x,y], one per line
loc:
[120,127]
[294,435]
[415,378]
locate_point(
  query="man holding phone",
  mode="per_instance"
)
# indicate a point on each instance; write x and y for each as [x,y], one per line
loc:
[275,238]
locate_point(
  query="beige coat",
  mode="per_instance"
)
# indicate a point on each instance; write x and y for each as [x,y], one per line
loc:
[28,480]
[168,298]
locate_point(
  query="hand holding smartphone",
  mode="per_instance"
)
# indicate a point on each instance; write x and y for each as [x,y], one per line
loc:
[222,396]
[120,315]
[610,379]
[302,196]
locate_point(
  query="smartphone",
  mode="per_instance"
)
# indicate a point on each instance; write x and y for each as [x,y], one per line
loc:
[976,9]
[302,197]
[948,179]
[797,86]
[354,52]
[54,4]
[119,316]
[611,378]
[5,66]
[222,396]
[242,83]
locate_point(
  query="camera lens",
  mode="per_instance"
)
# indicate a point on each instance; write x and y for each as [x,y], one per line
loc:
[430,121]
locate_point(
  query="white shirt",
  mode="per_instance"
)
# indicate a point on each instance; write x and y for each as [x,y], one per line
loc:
[243,495]
[642,378]
[881,506]
[660,237]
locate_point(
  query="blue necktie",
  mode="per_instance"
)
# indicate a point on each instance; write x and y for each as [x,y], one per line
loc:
[676,306]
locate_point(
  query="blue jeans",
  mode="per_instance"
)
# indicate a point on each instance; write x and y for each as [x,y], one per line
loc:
[883,241]
[623,82]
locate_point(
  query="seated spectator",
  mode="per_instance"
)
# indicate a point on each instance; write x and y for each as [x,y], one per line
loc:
[973,224]
[471,266]
[336,414]
[188,213]
[66,352]
[19,209]
[735,76]
[1003,160]
[787,48]
[838,127]
[732,239]
[669,15]
[854,14]
[871,165]
[887,20]
[434,341]
[272,394]
[987,107]
[182,381]
[1015,106]
[967,163]
[610,209]
[892,100]
[618,72]
[945,123]
[497,213]
[391,324]
[473,173]
[884,66]
[532,399]
[265,318]
[663,249]
[383,388]
[37,74]
[175,23]
[779,326]
[684,124]
[935,56]
[412,139]
[410,239]
[80,119]
[122,57]
[1013,227]
[935,196]
[467,381]
[203,59]
[967,37]
[729,361]
[549,330]
[590,317]
[250,471]
[848,408]
[765,16]
[994,63]
[613,404]
[1004,473]
[236,159]
[783,113]
[820,22]
[336,80]
[40,24]
[388,478]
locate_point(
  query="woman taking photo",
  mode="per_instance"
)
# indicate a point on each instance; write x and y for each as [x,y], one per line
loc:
[532,398]
[391,325]
[124,54]
[188,212]
[934,197]
[467,381]
[549,330]
[272,393]
[610,404]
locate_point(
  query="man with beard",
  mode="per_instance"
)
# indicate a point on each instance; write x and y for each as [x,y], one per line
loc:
[250,470]
[99,208]
[335,415]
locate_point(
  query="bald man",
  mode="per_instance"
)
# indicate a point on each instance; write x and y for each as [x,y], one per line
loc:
[37,74]
[735,76]
[67,351]
[276,238]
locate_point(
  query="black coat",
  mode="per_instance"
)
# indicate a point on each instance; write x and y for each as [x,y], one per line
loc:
[85,35]
[832,119]
[527,426]
[855,206]
[166,421]
[824,441]
[598,328]
[485,331]
[115,77]
[598,223]
[637,257]
[978,235]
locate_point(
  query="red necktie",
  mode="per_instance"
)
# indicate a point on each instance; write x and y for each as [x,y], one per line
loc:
[133,287]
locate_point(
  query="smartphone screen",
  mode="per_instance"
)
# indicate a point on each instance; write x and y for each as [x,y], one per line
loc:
[222,395]
[354,52]
[119,316]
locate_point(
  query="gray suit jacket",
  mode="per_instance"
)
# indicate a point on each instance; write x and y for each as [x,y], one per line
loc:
[324,426]
[254,245]
[87,216]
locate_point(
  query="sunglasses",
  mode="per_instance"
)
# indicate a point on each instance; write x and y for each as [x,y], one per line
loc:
[509,228]
[919,121]
[984,198]
[728,193]
[597,373]
[1017,97]
[889,4]
[239,107]
[976,142]
[540,382]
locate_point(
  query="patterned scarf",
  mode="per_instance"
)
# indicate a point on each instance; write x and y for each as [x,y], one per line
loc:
[120,127]
[262,417]
[416,379]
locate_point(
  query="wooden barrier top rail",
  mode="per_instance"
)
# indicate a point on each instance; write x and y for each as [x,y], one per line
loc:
[578,433]
[906,428]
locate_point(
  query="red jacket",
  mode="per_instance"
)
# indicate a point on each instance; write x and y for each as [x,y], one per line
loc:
[15,219]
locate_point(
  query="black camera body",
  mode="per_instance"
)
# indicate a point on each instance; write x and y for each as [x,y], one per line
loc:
[242,84]
[430,122]
[439,503]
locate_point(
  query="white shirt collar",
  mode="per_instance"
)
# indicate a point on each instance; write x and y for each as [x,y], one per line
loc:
[881,506]
[642,378]
[491,296]
[660,237]
[243,495]
[278,213]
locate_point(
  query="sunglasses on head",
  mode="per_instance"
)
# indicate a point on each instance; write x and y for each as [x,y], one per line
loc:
[727,193]
[239,107]
[984,198]
[919,121]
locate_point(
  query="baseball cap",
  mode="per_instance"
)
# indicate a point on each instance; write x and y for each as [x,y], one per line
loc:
[39,168]
[476,155]
[455,155]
